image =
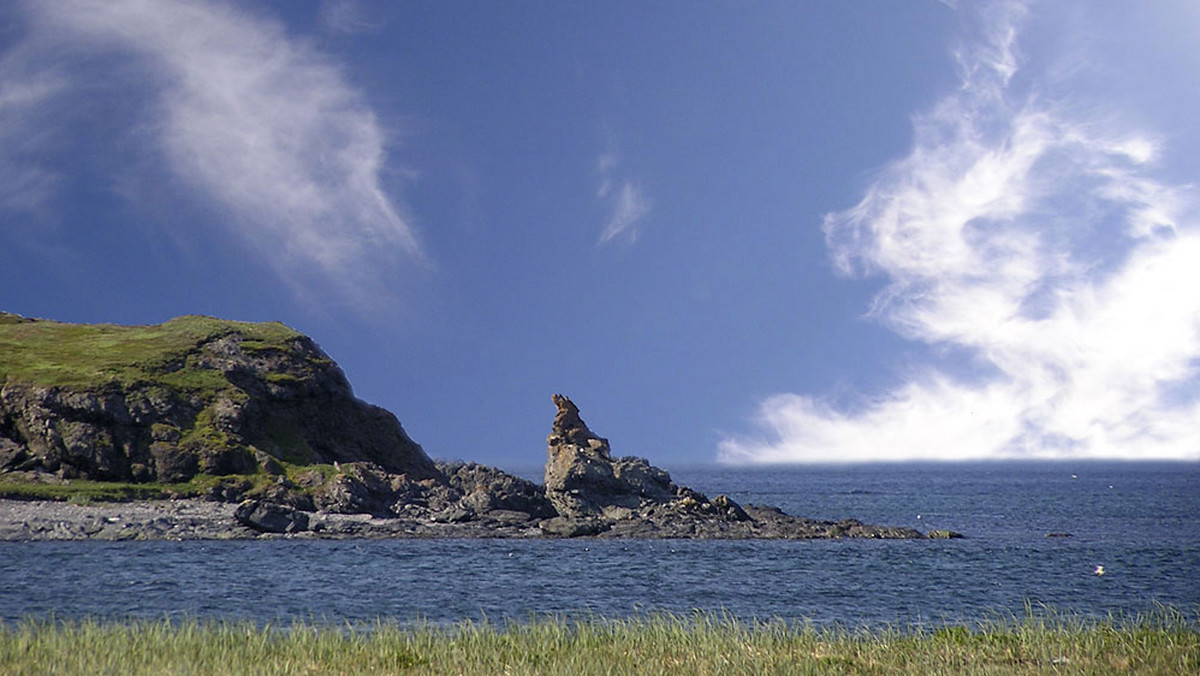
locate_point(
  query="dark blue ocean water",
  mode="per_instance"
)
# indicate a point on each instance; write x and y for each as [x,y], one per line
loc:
[1140,521]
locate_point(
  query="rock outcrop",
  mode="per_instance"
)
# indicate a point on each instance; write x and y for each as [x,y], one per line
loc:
[267,517]
[583,479]
[485,490]
[192,396]
[257,414]
[596,494]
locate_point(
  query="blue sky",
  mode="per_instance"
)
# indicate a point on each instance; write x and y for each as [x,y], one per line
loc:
[737,232]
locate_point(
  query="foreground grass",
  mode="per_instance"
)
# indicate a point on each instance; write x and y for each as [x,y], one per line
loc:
[1165,642]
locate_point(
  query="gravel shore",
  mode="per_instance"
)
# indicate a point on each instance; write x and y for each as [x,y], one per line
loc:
[152,520]
[194,519]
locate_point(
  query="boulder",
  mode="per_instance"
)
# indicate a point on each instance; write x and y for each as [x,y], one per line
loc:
[453,515]
[358,488]
[943,535]
[486,489]
[561,526]
[268,517]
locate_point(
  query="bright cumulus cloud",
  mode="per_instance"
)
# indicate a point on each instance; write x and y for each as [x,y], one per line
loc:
[1037,241]
[257,124]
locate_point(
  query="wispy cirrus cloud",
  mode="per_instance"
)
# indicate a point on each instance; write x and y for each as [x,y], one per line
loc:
[1037,241]
[346,17]
[25,182]
[258,124]
[626,201]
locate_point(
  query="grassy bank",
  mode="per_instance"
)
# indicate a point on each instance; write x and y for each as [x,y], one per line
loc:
[84,491]
[1165,642]
[55,354]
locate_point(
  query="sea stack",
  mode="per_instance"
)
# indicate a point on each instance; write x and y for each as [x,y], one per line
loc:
[596,494]
[583,479]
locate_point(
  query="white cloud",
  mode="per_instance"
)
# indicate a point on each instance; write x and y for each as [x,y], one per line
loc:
[261,125]
[347,17]
[626,201]
[25,183]
[629,205]
[607,162]
[1042,246]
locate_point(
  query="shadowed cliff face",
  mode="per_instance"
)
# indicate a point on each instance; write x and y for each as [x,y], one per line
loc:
[192,396]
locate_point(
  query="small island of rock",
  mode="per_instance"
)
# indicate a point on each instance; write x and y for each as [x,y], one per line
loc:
[205,428]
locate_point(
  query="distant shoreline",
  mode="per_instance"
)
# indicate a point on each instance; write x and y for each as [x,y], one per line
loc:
[198,519]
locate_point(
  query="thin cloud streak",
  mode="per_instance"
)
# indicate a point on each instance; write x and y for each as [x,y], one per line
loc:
[629,205]
[26,185]
[626,201]
[346,17]
[262,126]
[1041,246]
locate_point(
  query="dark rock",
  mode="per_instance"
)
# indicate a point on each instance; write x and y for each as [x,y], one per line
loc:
[268,464]
[310,478]
[598,495]
[362,488]
[173,464]
[943,535]
[14,457]
[268,517]
[730,509]
[192,396]
[486,488]
[561,526]
[453,515]
[508,516]
[229,490]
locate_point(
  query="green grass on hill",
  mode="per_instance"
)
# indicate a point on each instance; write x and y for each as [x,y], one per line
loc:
[1163,642]
[83,491]
[146,364]
[48,353]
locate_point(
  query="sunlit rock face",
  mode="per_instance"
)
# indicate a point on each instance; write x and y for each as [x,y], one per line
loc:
[583,479]
[596,494]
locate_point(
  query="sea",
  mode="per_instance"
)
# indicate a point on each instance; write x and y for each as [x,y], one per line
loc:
[1036,535]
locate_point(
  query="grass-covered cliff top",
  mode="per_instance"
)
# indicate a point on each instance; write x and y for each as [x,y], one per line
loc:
[49,353]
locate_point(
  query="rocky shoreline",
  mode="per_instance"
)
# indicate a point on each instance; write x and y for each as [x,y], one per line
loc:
[198,519]
[244,430]
[587,493]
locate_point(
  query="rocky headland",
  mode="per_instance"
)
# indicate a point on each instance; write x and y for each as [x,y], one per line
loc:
[202,428]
